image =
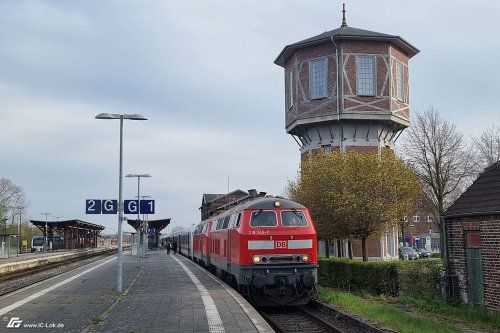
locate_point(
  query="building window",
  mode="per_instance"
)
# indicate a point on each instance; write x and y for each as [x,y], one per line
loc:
[416,218]
[365,75]
[429,219]
[327,148]
[318,78]
[399,81]
[473,239]
[290,89]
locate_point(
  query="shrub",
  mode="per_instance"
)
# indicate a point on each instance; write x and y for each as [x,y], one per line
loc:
[420,278]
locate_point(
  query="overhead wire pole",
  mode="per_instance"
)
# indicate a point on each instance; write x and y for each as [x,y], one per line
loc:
[20,241]
[119,287]
[46,243]
[138,209]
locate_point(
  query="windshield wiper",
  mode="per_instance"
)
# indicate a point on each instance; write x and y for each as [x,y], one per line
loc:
[258,213]
[296,212]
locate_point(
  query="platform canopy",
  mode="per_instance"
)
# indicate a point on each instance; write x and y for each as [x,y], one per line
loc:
[62,225]
[157,225]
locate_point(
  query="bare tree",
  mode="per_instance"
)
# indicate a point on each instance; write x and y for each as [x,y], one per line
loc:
[487,148]
[441,158]
[12,199]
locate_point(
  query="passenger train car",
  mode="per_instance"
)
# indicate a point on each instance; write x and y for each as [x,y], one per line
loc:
[265,247]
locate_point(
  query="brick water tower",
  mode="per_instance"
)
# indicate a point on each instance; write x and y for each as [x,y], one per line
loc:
[347,88]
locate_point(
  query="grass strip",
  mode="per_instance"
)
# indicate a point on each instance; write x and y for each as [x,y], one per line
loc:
[386,314]
[471,316]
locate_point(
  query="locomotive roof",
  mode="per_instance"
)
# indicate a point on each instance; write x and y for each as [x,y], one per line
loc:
[268,202]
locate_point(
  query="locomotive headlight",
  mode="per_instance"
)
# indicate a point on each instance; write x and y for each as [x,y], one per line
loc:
[305,258]
[256,259]
[277,203]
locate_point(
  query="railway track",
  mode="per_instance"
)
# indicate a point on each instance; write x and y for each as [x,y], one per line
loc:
[294,319]
[314,317]
[10,282]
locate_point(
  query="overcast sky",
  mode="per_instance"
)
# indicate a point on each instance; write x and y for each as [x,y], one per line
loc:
[203,73]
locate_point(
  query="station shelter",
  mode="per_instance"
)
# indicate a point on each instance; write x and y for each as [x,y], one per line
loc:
[153,229]
[69,234]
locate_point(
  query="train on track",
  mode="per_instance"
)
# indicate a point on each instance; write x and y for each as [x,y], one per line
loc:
[38,243]
[265,247]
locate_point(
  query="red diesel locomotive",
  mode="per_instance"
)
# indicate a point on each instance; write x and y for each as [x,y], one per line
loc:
[265,247]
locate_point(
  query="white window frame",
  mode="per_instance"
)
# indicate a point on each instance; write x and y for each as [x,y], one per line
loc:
[429,219]
[400,81]
[327,148]
[365,76]
[290,88]
[416,218]
[318,78]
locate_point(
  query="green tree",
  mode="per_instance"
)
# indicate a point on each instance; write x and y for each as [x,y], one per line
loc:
[355,195]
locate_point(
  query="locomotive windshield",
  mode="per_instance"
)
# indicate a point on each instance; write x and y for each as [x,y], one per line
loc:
[293,218]
[263,218]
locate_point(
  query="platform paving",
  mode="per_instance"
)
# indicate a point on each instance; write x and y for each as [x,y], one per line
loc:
[165,293]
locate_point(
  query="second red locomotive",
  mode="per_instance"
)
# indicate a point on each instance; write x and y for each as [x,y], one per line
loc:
[265,247]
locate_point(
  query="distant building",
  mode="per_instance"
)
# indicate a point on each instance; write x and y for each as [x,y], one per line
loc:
[472,230]
[213,204]
[422,228]
[348,89]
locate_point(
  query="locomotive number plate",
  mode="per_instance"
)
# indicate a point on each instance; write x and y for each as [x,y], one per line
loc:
[280,244]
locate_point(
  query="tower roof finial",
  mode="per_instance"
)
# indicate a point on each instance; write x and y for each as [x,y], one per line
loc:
[344,24]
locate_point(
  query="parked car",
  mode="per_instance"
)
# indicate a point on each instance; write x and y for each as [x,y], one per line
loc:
[422,253]
[408,253]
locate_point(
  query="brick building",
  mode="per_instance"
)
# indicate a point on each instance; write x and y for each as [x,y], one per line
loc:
[472,230]
[212,204]
[348,89]
[421,229]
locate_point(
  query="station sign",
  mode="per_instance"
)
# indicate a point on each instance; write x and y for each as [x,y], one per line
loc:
[144,207]
[98,206]
[109,206]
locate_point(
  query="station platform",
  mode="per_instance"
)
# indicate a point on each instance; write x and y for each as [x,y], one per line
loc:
[34,259]
[163,293]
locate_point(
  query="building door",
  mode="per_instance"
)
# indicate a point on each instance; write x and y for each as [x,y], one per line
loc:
[474,268]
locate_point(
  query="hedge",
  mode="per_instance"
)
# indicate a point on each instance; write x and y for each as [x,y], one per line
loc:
[417,278]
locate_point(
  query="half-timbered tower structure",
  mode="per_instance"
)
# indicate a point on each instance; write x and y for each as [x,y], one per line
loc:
[348,89]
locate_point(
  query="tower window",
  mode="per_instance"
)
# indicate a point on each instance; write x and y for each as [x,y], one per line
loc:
[399,81]
[290,89]
[365,75]
[327,148]
[416,218]
[318,78]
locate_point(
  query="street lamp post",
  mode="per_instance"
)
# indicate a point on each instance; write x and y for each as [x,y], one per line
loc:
[121,117]
[46,243]
[138,208]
